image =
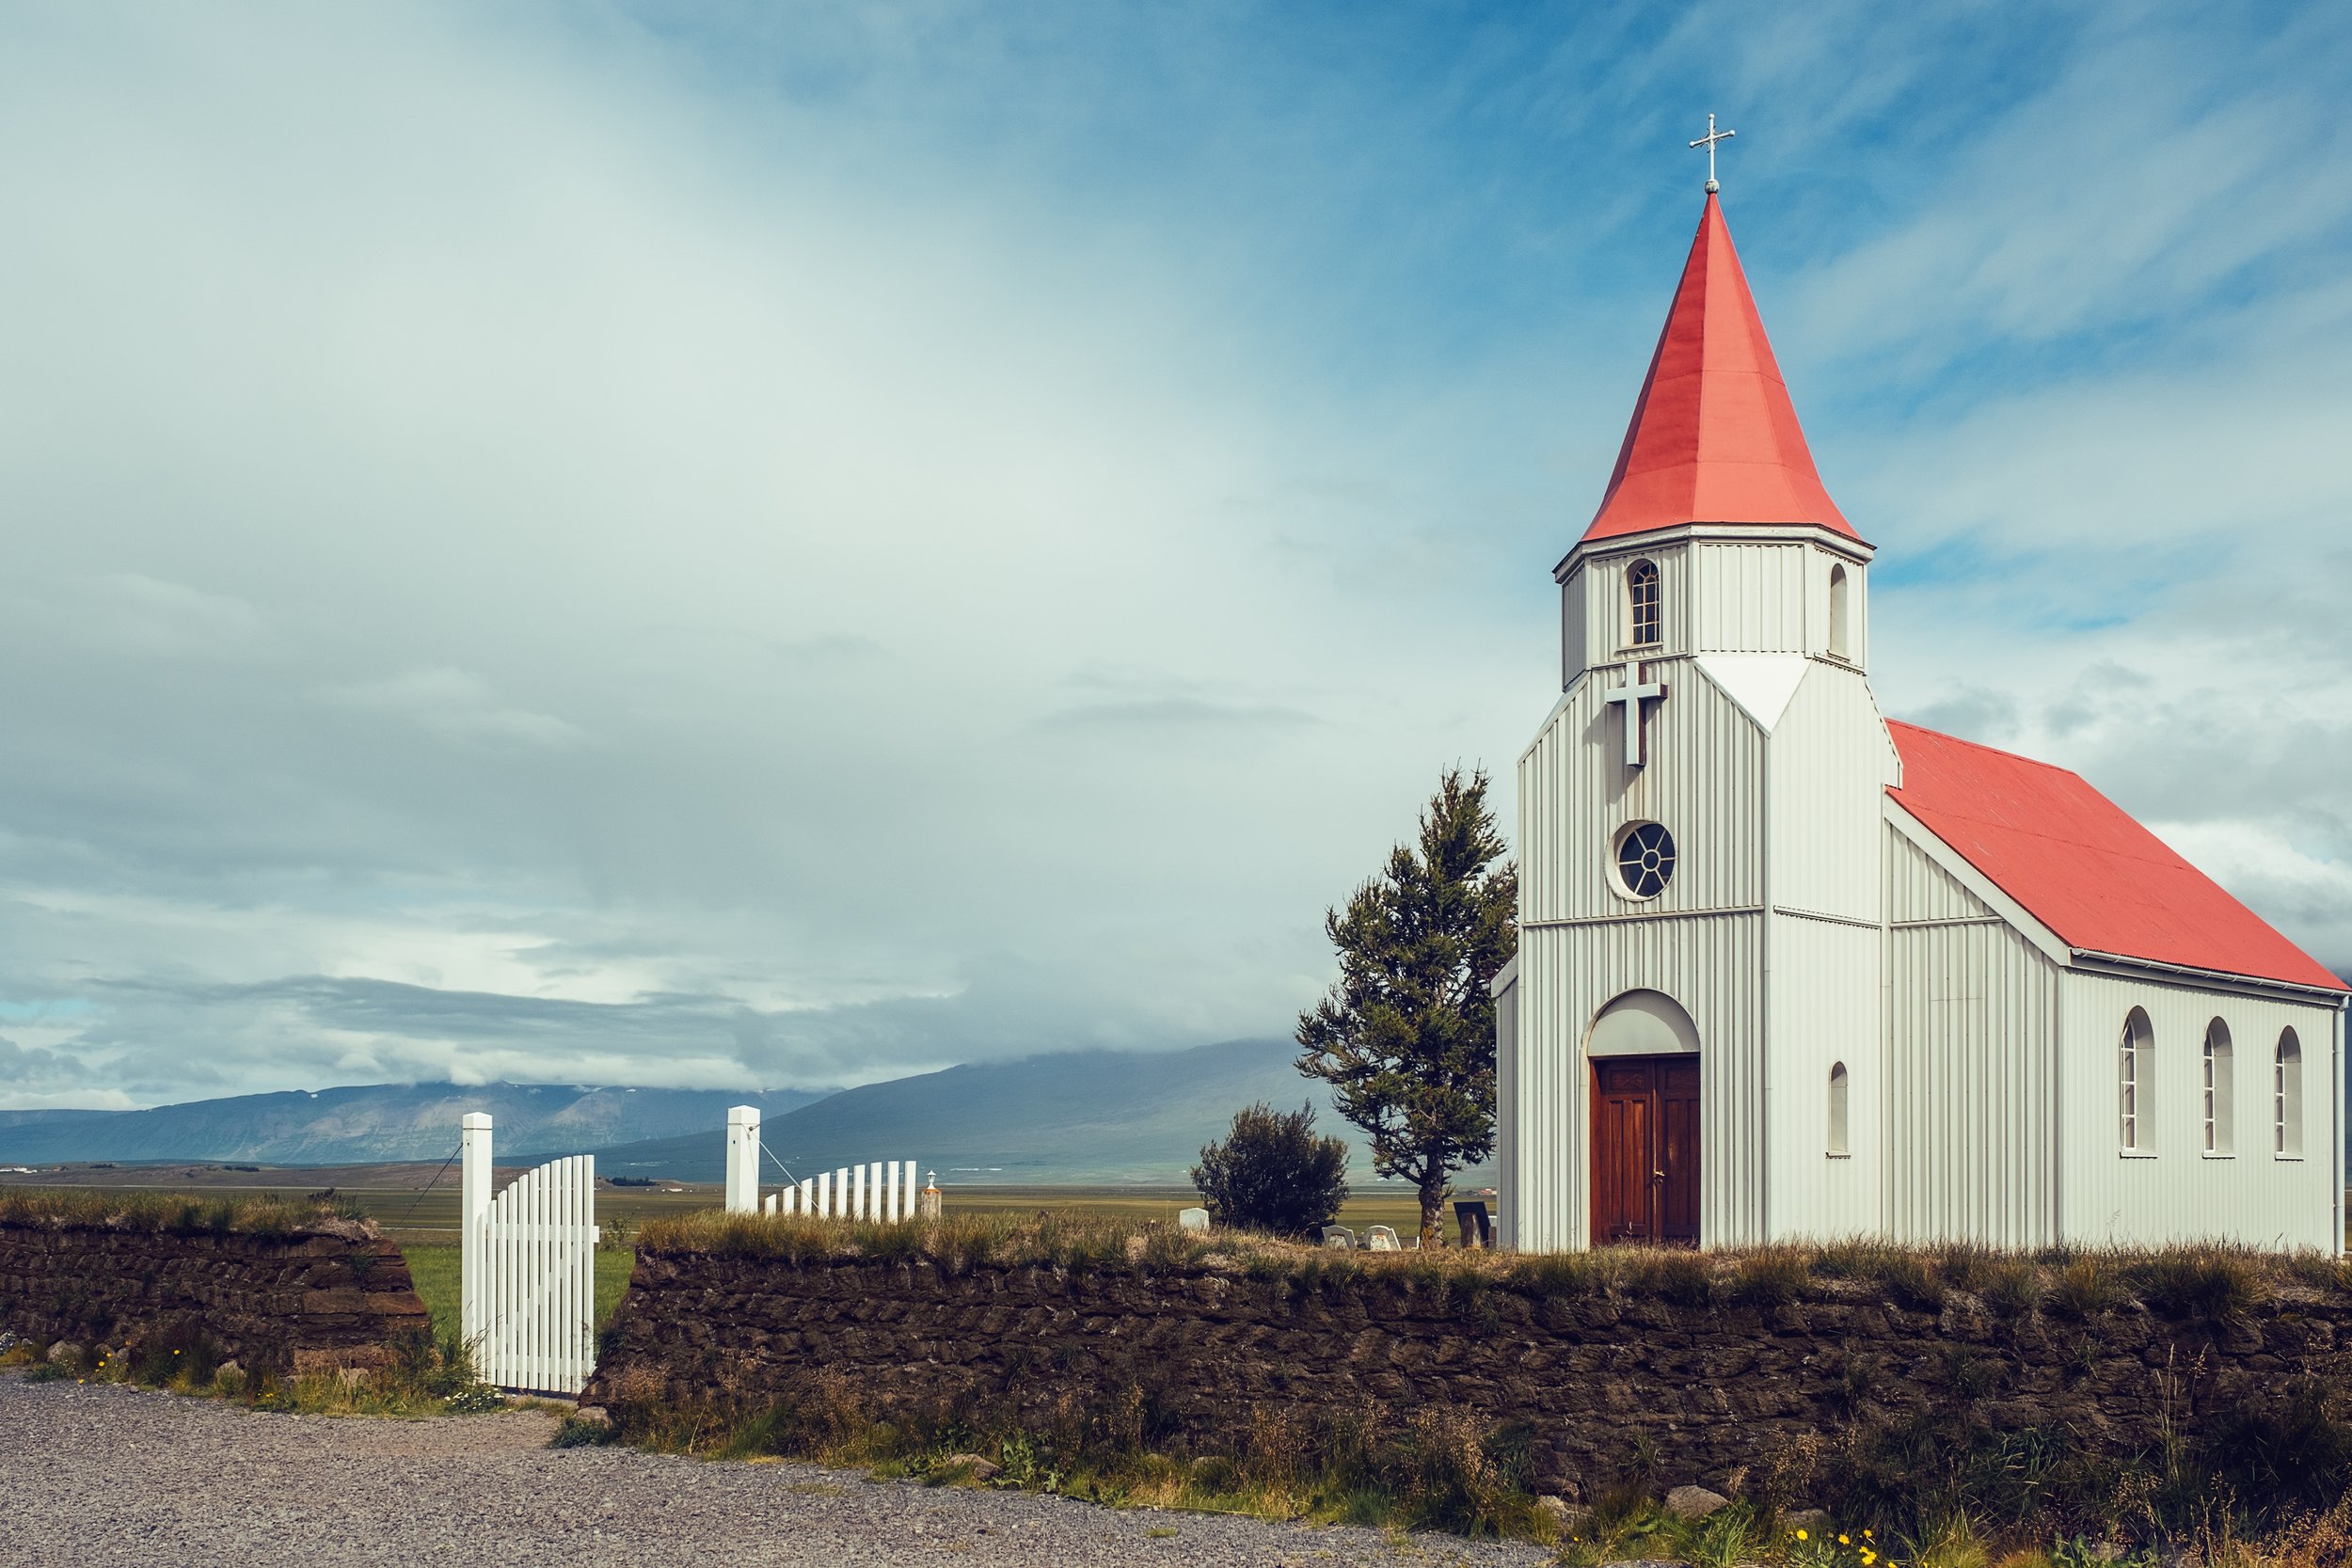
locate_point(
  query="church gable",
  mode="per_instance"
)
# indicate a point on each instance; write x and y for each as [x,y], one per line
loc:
[1920,893]
[2079,864]
[1578,796]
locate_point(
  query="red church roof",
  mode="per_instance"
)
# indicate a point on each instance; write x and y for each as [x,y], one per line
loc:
[2083,868]
[1714,438]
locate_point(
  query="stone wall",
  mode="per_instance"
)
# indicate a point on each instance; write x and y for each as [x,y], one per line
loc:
[1726,1395]
[324,1296]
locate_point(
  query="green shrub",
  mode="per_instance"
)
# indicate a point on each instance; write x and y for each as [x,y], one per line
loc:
[1272,1173]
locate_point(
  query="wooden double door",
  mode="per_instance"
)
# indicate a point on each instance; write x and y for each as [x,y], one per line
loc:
[1645,1149]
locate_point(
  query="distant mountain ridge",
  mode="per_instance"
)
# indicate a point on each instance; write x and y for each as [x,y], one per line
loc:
[1086,1116]
[374,1123]
[1078,1116]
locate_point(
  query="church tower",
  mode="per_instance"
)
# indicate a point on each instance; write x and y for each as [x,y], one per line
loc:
[1687,1040]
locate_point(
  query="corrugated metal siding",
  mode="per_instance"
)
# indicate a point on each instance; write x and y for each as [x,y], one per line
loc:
[2179,1194]
[1574,614]
[1710,964]
[1506,1097]
[1575,793]
[1752,598]
[1971,1010]
[1824,994]
[1831,762]
[1605,627]
[1917,889]
[1857,613]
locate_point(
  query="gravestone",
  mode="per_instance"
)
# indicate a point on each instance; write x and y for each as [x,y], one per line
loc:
[1192,1219]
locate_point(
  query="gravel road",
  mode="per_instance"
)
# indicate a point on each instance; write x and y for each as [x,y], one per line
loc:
[100,1474]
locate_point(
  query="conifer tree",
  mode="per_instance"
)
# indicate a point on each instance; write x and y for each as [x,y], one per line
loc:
[1407,1037]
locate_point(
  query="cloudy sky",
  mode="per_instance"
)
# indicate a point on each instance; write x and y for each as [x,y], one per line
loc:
[709,547]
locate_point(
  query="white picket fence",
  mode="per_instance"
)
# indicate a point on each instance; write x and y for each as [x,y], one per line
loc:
[882,1191]
[527,1270]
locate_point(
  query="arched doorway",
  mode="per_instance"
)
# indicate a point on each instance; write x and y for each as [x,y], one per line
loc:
[1644,1054]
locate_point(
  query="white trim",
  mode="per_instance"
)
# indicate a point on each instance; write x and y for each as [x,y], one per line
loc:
[1760,685]
[2090,959]
[1505,978]
[1771,533]
[1794,913]
[1630,916]
[1986,890]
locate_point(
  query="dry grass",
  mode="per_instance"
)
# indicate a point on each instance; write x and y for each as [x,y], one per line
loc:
[177,1213]
[2211,1283]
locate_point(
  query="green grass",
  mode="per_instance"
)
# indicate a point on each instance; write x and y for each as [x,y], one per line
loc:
[434,1271]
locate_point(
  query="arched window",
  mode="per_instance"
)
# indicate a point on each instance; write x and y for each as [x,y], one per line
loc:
[2136,1078]
[2286,1096]
[2220,1070]
[1641,604]
[1837,1108]
[1840,613]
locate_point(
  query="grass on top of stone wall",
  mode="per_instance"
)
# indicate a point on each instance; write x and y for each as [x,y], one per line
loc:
[2211,1282]
[183,1213]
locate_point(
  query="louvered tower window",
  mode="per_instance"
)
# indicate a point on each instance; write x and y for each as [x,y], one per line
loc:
[1641,602]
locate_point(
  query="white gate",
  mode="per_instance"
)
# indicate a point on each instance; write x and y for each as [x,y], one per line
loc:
[527,1270]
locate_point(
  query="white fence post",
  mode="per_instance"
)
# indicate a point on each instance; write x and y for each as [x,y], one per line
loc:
[473,1205]
[742,1159]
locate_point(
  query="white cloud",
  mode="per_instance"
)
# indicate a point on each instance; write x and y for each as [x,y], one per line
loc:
[456,707]
[567,550]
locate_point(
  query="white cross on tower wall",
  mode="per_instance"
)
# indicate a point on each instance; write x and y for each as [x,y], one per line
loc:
[1633,693]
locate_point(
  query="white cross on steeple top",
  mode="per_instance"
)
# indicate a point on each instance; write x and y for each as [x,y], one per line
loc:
[1709,141]
[1633,693]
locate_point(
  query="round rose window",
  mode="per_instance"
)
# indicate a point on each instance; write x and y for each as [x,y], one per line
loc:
[1645,860]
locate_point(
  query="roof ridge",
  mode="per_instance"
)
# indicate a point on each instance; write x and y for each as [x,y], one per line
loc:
[1996,750]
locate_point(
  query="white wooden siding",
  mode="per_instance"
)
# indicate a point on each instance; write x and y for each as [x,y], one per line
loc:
[1830,762]
[1919,891]
[1596,586]
[1971,1018]
[1751,598]
[1710,963]
[1506,994]
[2176,1193]
[1822,991]
[1575,792]
[1575,616]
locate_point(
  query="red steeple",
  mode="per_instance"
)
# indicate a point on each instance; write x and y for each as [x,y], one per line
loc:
[1713,437]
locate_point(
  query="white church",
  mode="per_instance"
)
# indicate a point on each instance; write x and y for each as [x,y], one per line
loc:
[1788,970]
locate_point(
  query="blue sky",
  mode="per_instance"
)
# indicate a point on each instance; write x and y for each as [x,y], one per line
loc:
[776,545]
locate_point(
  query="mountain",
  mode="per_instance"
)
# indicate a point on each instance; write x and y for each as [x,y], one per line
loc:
[1091,1116]
[378,1122]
